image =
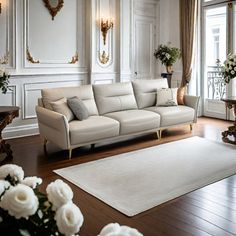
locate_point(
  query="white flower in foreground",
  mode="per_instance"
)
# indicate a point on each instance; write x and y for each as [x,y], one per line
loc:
[59,193]
[3,186]
[32,181]
[114,229]
[12,170]
[20,201]
[69,219]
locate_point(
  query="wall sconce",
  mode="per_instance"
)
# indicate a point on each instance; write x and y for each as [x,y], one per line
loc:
[105,26]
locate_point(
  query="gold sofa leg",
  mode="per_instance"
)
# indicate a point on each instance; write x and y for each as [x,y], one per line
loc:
[159,133]
[70,153]
[191,127]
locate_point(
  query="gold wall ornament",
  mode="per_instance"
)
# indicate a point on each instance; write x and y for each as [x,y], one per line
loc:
[104,58]
[105,26]
[74,59]
[53,6]
[230,5]
[5,59]
[30,58]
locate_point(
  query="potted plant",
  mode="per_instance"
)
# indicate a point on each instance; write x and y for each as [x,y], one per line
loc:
[4,81]
[167,55]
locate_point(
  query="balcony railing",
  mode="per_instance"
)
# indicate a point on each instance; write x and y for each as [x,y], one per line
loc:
[215,83]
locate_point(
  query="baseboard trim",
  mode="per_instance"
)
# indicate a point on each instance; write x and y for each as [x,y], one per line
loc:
[20,131]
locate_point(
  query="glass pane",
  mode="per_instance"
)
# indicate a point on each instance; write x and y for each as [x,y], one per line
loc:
[215,50]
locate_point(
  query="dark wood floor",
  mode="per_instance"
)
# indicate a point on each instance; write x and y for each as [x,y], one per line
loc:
[207,211]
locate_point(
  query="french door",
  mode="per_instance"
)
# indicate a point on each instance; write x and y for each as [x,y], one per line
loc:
[218,30]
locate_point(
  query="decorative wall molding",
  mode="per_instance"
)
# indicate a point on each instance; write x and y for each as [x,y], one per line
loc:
[44,43]
[105,50]
[30,58]
[5,59]
[8,32]
[104,58]
[74,59]
[9,99]
[53,10]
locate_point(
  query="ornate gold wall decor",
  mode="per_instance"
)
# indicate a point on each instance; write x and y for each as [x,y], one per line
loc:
[74,59]
[5,59]
[105,26]
[53,6]
[104,58]
[30,58]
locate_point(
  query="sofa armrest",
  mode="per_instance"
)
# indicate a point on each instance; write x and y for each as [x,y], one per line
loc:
[53,126]
[192,101]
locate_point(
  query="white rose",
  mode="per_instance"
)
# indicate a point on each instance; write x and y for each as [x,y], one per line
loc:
[12,170]
[20,201]
[230,67]
[32,181]
[59,193]
[3,186]
[232,72]
[115,229]
[69,219]
[235,68]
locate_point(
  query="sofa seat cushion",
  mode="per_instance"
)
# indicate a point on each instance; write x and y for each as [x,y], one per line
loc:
[173,115]
[134,121]
[92,129]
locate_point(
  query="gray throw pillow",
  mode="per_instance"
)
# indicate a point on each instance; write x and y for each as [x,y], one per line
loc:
[78,108]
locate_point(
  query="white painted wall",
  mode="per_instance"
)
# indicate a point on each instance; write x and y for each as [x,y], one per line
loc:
[170,32]
[27,24]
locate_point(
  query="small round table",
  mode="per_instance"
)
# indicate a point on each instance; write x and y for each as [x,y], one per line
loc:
[230,103]
[7,114]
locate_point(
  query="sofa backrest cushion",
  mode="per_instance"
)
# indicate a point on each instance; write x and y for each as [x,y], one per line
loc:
[84,92]
[114,97]
[146,91]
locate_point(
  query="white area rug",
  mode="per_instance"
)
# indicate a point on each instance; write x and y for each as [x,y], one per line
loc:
[137,181]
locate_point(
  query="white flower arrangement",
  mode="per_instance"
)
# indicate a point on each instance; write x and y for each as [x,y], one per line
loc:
[229,68]
[114,229]
[27,212]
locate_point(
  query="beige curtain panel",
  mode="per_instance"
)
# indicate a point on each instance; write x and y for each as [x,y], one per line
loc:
[188,23]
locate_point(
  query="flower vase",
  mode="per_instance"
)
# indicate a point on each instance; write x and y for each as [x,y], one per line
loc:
[169,69]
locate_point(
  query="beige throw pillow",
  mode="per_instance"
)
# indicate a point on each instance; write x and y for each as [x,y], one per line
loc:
[167,97]
[180,95]
[61,107]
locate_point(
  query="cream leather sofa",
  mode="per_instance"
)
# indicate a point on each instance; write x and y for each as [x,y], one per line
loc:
[115,110]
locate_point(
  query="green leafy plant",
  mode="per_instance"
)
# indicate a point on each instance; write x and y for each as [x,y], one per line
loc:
[167,55]
[4,81]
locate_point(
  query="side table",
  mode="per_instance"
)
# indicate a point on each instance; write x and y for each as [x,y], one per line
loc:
[7,114]
[230,102]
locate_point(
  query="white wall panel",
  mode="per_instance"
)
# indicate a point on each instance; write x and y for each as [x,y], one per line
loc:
[8,99]
[53,43]
[7,34]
